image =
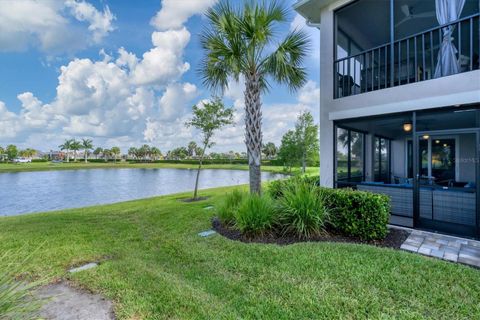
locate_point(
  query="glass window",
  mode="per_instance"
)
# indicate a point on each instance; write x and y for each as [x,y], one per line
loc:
[350,156]
[381,161]
[342,154]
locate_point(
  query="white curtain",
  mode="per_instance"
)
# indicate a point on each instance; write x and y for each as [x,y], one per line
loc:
[447,62]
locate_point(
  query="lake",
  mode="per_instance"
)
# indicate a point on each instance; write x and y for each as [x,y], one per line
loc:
[28,192]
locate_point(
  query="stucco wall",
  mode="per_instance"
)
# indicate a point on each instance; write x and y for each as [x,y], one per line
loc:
[443,92]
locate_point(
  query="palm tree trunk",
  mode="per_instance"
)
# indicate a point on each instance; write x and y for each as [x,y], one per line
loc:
[85,154]
[68,155]
[253,132]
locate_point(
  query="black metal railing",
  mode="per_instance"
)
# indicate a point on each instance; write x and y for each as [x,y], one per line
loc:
[408,60]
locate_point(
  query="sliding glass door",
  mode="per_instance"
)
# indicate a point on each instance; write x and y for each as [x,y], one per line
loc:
[447,181]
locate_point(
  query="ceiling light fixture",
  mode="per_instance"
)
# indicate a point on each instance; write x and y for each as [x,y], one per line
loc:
[407,126]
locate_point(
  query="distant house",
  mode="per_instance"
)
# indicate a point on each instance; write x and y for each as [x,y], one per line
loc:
[399,108]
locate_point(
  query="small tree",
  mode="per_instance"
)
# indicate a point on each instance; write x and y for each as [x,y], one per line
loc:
[300,146]
[2,154]
[11,152]
[307,135]
[115,152]
[207,118]
[288,153]
[87,145]
[106,154]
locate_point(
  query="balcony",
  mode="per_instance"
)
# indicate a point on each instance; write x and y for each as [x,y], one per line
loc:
[433,52]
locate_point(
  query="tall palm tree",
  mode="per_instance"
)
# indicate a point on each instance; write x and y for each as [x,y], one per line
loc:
[240,42]
[67,146]
[75,146]
[87,145]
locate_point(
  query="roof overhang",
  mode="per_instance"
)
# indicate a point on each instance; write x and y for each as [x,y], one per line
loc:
[310,9]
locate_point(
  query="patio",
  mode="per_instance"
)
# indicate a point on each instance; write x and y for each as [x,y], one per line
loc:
[444,247]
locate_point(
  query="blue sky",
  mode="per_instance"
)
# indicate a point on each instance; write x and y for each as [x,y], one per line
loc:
[122,73]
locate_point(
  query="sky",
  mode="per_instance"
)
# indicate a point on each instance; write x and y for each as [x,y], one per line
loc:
[123,73]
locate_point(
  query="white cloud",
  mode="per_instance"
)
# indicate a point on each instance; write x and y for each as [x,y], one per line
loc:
[100,23]
[46,25]
[175,13]
[121,99]
[164,62]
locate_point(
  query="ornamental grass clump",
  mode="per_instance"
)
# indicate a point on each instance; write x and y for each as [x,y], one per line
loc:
[17,300]
[301,210]
[255,215]
[226,211]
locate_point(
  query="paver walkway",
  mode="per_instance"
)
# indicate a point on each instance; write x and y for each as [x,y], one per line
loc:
[444,247]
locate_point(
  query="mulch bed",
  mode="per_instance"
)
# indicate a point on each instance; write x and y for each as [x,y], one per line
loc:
[193,200]
[394,238]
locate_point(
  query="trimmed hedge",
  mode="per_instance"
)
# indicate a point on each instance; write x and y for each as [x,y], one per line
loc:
[39,160]
[353,213]
[357,213]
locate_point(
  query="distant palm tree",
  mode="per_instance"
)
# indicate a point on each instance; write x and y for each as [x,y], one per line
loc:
[241,42]
[67,146]
[87,144]
[75,146]
[97,152]
[155,153]
[115,152]
[106,154]
[269,150]
[133,152]
[192,146]
[144,151]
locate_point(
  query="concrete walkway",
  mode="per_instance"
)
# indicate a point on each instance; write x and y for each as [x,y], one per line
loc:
[444,247]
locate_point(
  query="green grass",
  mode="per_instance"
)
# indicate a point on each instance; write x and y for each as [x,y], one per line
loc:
[47,166]
[155,266]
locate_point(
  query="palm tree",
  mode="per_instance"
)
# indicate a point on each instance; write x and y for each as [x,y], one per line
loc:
[240,42]
[133,152]
[144,151]
[97,152]
[75,146]
[269,150]
[87,144]
[115,152]
[156,153]
[192,145]
[67,146]
[106,154]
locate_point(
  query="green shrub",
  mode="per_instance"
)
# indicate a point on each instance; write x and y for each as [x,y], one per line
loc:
[301,209]
[276,188]
[255,214]
[226,211]
[39,160]
[16,296]
[356,213]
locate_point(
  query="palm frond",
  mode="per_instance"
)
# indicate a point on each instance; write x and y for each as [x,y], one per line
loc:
[285,64]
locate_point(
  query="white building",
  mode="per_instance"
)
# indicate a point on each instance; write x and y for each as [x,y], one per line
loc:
[400,105]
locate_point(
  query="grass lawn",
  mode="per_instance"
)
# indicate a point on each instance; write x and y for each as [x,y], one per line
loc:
[157,267]
[46,166]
